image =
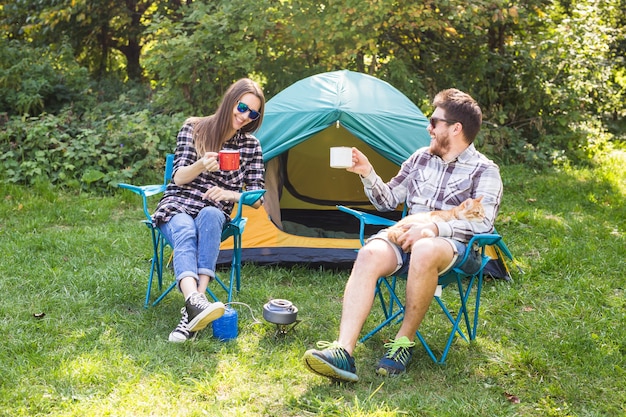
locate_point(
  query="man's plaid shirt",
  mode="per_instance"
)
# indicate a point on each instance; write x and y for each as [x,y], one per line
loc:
[425,182]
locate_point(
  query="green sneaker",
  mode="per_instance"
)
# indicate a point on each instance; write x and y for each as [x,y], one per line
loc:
[396,359]
[333,362]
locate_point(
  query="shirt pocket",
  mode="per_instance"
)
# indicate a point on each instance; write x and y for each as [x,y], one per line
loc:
[418,182]
[421,189]
[459,189]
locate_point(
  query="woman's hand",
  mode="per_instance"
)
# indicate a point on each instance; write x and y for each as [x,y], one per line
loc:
[210,162]
[217,194]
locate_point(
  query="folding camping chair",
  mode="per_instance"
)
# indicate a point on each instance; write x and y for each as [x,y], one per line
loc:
[393,307]
[233,229]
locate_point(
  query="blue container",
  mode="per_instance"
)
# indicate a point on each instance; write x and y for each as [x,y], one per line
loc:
[225,328]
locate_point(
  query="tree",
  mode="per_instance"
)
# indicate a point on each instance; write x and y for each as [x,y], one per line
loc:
[100,32]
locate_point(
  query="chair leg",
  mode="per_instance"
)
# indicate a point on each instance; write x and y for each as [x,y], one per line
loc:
[455,321]
[234,279]
[479,289]
[164,293]
[156,264]
[462,314]
[394,311]
[158,245]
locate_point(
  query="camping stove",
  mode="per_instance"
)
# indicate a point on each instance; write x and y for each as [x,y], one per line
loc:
[282,313]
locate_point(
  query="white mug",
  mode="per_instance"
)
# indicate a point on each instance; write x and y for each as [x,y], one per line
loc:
[341,157]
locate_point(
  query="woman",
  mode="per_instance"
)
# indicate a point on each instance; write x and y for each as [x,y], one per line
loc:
[197,203]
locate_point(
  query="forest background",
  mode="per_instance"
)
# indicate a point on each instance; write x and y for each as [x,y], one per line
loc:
[93,92]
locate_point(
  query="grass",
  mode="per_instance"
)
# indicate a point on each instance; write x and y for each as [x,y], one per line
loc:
[554,338]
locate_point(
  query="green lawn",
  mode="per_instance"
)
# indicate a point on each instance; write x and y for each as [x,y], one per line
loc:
[554,338]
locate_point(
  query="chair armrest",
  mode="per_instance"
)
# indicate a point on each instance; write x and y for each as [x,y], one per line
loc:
[366,219]
[147,190]
[247,198]
[144,191]
[484,239]
[237,224]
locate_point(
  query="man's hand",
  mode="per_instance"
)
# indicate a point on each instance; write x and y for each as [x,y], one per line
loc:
[360,164]
[414,233]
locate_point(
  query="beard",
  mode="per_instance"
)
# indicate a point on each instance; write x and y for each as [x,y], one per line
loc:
[440,145]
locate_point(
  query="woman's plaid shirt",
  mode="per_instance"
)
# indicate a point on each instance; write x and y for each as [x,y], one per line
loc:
[188,198]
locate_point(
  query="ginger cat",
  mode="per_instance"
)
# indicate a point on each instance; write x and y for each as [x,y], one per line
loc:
[471,210]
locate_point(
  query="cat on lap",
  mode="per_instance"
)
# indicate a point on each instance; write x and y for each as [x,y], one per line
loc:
[471,210]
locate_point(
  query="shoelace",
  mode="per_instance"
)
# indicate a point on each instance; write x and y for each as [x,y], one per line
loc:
[337,352]
[182,324]
[329,345]
[200,301]
[395,345]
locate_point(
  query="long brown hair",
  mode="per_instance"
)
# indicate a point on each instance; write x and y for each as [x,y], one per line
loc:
[211,132]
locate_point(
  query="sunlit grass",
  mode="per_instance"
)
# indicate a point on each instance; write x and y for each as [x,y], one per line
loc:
[77,341]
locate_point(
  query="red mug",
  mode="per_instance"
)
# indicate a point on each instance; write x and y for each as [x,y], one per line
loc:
[229,160]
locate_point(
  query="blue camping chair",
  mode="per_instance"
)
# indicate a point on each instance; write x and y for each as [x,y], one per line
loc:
[233,229]
[393,307]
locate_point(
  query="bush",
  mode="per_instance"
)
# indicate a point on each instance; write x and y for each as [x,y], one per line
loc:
[87,152]
[34,80]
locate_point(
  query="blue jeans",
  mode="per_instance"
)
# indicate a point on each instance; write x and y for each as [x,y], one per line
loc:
[196,242]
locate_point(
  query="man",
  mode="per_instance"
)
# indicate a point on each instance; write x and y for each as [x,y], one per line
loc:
[437,177]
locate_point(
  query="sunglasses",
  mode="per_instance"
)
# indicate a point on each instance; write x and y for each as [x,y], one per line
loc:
[435,120]
[243,107]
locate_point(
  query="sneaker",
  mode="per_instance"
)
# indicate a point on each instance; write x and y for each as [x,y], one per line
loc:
[396,359]
[181,333]
[332,362]
[201,312]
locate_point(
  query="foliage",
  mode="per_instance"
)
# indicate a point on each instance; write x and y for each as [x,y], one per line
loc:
[549,74]
[106,35]
[193,61]
[35,80]
[77,341]
[93,152]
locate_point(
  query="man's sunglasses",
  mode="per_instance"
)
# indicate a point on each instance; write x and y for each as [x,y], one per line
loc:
[243,107]
[435,120]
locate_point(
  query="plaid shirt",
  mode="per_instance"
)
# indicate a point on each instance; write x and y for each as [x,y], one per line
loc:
[188,199]
[427,183]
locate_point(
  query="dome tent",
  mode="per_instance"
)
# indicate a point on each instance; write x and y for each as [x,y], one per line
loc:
[299,221]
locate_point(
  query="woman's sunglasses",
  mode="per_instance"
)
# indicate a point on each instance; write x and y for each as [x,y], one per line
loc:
[243,107]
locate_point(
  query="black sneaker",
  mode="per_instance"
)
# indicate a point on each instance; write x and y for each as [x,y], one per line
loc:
[396,359]
[181,333]
[201,312]
[332,362]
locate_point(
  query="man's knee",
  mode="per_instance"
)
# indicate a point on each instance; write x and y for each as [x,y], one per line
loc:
[377,256]
[431,253]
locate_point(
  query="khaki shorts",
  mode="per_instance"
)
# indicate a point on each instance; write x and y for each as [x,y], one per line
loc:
[471,266]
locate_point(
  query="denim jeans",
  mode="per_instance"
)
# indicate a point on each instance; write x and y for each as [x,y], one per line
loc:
[196,242]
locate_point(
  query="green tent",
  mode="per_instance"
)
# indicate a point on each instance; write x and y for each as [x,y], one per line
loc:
[299,221]
[370,109]
[340,108]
